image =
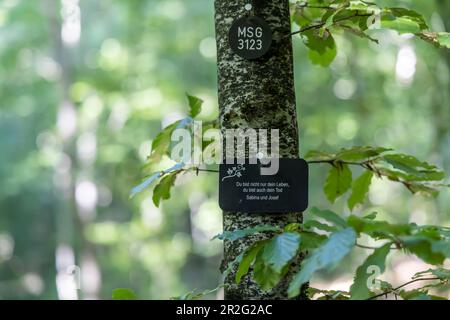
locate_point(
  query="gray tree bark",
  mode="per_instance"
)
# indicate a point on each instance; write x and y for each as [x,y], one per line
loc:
[257,94]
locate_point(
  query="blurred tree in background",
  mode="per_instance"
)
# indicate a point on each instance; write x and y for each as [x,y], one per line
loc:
[84,85]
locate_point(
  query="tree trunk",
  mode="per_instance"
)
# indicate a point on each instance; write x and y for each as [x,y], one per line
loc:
[257,94]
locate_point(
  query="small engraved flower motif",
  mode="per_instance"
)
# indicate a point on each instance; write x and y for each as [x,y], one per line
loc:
[234,172]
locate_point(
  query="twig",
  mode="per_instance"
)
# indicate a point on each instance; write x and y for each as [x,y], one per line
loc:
[320,25]
[332,161]
[362,246]
[403,285]
[207,170]
[366,247]
[306,5]
[372,248]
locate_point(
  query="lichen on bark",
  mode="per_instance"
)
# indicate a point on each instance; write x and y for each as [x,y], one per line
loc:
[257,94]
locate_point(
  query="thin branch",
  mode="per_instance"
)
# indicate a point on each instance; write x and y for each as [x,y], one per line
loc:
[403,285]
[207,170]
[316,26]
[306,5]
[366,247]
[372,248]
[320,25]
[332,161]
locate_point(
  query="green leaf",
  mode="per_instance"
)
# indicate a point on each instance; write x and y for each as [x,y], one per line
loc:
[292,227]
[162,190]
[238,234]
[247,260]
[123,294]
[265,276]
[195,105]
[325,59]
[413,169]
[161,144]
[325,257]
[322,50]
[298,17]
[416,294]
[378,229]
[271,258]
[421,246]
[409,14]
[280,250]
[441,273]
[303,16]
[359,289]
[360,154]
[310,224]
[432,234]
[385,286]
[419,294]
[147,182]
[311,240]
[423,189]
[400,24]
[144,185]
[314,155]
[358,6]
[438,232]
[338,182]
[443,39]
[360,188]
[442,247]
[329,216]
[330,21]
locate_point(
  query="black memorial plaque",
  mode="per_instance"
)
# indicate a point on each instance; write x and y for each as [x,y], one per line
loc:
[243,188]
[250,37]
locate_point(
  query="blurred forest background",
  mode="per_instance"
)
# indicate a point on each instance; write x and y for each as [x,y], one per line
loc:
[84,87]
